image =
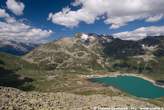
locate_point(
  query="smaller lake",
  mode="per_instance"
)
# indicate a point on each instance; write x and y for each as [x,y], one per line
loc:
[133,85]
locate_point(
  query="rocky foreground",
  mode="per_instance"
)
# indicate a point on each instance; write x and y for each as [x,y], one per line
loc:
[14,99]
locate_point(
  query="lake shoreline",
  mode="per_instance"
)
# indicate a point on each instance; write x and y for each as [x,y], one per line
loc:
[124,74]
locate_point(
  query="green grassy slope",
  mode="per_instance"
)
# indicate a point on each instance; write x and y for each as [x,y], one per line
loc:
[16,72]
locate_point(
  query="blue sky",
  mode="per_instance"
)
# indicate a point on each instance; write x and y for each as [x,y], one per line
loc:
[36,12]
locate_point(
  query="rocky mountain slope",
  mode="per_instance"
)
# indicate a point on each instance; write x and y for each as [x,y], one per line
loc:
[13,99]
[82,52]
[90,52]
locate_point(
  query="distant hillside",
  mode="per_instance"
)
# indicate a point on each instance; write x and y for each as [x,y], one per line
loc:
[16,48]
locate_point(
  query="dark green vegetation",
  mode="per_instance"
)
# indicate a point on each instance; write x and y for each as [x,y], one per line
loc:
[9,67]
[14,72]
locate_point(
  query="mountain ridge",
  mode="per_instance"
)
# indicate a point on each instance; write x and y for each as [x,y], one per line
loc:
[16,48]
[95,52]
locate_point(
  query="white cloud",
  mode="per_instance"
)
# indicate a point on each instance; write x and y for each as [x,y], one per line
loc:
[155,18]
[140,33]
[117,12]
[16,7]
[14,30]
[3,13]
[21,32]
[70,18]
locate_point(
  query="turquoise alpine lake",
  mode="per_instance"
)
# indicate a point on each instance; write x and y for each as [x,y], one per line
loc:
[132,85]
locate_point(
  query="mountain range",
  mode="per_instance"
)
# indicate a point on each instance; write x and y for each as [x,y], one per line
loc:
[60,66]
[16,48]
[91,52]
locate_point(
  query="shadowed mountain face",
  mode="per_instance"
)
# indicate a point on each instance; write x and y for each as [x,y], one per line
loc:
[122,49]
[151,41]
[1,62]
[9,77]
[160,51]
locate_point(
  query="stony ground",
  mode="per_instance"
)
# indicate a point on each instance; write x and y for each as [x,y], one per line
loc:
[14,99]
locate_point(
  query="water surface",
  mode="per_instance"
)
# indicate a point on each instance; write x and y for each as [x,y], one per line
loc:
[133,85]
